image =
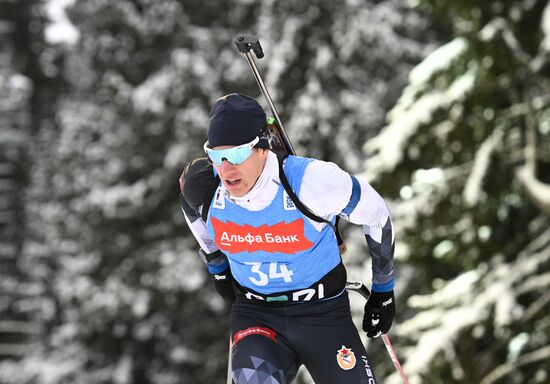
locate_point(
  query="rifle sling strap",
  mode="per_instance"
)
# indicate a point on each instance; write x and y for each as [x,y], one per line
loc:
[301,206]
[209,196]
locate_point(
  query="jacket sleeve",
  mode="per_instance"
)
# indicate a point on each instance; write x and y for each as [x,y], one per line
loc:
[194,183]
[215,260]
[329,191]
[372,212]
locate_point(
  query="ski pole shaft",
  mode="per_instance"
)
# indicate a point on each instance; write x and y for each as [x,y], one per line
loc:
[244,44]
[360,288]
[229,369]
[394,358]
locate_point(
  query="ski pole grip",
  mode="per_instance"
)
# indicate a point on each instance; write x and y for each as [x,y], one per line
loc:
[245,43]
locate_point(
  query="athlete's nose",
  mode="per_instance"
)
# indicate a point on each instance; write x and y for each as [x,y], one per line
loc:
[226,166]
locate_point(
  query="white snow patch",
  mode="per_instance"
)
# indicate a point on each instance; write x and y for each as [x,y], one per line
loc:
[60,29]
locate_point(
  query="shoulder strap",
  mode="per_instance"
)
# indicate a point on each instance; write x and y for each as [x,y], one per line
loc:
[209,196]
[301,206]
[198,183]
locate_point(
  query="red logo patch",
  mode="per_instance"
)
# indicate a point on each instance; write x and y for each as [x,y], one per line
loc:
[269,333]
[282,237]
[345,358]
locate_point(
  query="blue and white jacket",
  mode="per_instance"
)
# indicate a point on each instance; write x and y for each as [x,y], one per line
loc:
[272,248]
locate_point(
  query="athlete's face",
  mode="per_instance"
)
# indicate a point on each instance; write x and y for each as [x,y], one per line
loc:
[239,179]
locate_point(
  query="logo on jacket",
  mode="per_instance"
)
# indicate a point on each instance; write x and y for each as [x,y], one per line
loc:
[345,358]
[281,237]
[288,204]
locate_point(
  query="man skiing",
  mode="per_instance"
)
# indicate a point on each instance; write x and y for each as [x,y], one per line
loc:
[281,270]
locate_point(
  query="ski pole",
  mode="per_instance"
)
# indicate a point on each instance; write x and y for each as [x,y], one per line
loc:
[364,291]
[244,44]
[229,369]
[393,357]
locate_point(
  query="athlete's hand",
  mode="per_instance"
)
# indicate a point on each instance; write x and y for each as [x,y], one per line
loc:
[379,313]
[224,285]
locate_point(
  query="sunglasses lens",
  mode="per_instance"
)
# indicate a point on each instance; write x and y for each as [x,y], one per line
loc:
[235,156]
[241,155]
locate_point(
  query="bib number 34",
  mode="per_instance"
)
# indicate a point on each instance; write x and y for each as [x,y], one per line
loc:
[276,271]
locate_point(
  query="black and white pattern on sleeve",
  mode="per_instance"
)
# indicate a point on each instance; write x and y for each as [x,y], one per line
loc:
[382,253]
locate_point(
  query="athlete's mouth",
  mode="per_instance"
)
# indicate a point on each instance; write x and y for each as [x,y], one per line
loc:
[232,182]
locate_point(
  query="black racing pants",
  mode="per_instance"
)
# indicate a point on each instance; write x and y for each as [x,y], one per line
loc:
[270,342]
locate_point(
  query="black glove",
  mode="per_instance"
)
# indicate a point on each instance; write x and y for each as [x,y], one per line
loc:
[223,282]
[379,313]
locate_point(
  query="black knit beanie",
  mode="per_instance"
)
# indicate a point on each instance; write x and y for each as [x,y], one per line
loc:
[237,119]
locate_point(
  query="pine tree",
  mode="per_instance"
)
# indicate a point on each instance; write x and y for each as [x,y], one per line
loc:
[122,296]
[17,90]
[465,157]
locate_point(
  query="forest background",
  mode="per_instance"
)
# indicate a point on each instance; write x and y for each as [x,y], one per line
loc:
[444,106]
